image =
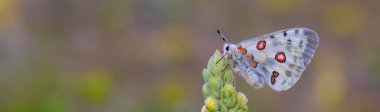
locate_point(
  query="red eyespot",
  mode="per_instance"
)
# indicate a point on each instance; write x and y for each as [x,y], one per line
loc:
[242,50]
[280,57]
[239,48]
[250,57]
[273,80]
[261,45]
[253,64]
[274,75]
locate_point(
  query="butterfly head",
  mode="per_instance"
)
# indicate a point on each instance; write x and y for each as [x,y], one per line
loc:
[228,48]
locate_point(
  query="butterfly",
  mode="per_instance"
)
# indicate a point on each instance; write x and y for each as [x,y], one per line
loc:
[277,58]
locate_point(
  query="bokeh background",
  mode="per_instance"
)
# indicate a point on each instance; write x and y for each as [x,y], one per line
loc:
[148,55]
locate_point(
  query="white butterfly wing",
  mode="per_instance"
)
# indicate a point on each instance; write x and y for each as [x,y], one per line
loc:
[281,57]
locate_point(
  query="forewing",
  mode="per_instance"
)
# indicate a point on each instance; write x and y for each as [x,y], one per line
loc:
[281,56]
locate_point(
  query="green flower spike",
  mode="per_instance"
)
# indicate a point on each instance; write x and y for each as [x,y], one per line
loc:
[219,93]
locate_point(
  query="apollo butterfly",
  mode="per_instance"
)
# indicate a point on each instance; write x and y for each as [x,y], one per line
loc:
[277,58]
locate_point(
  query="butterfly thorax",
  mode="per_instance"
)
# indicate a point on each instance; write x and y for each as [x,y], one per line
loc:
[233,55]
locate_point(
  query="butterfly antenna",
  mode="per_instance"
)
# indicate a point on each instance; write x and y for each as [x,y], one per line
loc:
[220,33]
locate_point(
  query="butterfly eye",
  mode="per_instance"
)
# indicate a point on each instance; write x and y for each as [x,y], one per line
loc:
[227,48]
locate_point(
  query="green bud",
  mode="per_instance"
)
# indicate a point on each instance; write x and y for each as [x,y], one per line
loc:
[218,64]
[212,104]
[230,102]
[216,84]
[223,108]
[222,64]
[217,71]
[228,77]
[214,58]
[228,90]
[217,55]
[241,99]
[228,95]
[206,89]
[206,75]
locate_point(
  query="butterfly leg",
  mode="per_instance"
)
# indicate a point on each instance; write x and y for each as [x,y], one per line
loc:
[221,58]
[234,79]
[225,67]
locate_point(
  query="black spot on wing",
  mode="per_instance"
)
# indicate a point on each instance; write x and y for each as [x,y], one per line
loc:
[289,42]
[264,70]
[307,32]
[312,41]
[271,36]
[300,44]
[259,74]
[296,31]
[291,66]
[288,73]
[295,59]
[285,33]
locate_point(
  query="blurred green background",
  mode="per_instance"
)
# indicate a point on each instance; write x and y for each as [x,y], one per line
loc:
[148,55]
